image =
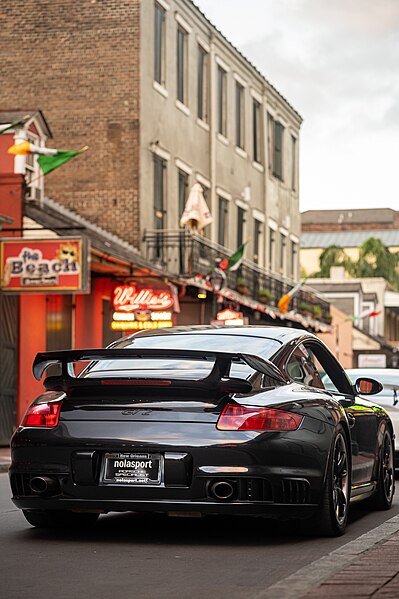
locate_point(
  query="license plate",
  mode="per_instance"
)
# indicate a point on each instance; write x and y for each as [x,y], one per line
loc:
[132,469]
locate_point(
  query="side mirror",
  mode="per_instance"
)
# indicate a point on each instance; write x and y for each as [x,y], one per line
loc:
[366,386]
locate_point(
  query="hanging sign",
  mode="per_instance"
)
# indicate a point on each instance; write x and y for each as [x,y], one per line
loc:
[229,315]
[141,308]
[44,265]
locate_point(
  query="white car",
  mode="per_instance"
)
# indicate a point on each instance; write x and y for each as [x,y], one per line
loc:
[388,398]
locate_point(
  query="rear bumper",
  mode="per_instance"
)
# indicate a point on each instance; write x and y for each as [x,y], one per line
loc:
[277,475]
[265,509]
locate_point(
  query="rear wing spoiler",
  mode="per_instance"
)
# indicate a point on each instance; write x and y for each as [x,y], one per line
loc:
[218,379]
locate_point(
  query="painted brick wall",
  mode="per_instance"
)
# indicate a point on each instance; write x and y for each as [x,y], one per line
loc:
[78,61]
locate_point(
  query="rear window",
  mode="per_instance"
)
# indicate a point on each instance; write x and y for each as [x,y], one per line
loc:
[185,369]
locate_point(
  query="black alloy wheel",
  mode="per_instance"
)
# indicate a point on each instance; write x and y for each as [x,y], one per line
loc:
[383,497]
[331,517]
[340,479]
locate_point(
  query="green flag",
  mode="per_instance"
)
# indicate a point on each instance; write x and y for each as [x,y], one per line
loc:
[234,261]
[15,124]
[50,163]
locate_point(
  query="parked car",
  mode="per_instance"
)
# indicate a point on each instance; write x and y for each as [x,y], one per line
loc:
[388,397]
[206,420]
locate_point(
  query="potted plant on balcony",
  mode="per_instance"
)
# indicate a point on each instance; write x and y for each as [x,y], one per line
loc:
[305,308]
[327,318]
[265,296]
[242,286]
[317,312]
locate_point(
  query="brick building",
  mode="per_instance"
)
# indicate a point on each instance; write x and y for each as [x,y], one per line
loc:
[163,100]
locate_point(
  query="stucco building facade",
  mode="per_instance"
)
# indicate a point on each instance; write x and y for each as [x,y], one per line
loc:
[163,100]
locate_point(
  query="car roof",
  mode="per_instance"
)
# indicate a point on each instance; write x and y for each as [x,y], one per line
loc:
[282,334]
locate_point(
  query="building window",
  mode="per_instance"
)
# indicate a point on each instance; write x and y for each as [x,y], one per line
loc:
[159,44]
[159,192]
[223,221]
[294,253]
[293,163]
[222,101]
[272,241]
[203,86]
[278,150]
[256,131]
[183,190]
[240,226]
[240,112]
[257,241]
[283,244]
[182,65]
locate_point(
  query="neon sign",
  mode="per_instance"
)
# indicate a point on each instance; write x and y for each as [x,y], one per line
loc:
[127,298]
[141,308]
[229,315]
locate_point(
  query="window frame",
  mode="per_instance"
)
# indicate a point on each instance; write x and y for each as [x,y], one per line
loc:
[202,83]
[240,115]
[159,188]
[159,51]
[278,148]
[183,184]
[222,100]
[182,64]
[256,131]
[223,214]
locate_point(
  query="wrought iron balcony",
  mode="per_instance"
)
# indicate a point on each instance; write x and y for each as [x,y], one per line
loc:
[185,254]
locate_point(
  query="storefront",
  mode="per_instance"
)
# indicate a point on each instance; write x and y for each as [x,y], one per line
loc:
[74,290]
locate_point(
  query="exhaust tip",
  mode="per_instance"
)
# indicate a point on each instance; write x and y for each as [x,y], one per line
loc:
[222,490]
[43,484]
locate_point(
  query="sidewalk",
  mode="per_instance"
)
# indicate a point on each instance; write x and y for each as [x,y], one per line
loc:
[375,573]
[5,459]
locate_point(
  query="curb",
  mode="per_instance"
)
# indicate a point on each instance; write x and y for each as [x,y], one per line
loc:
[307,578]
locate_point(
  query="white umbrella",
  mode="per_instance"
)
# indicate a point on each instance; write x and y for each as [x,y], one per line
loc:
[196,213]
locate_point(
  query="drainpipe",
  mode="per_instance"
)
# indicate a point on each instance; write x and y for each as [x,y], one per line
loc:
[265,175]
[212,135]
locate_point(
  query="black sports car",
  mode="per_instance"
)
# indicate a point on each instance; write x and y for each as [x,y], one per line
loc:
[202,420]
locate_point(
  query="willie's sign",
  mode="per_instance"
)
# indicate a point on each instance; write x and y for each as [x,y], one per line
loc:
[137,307]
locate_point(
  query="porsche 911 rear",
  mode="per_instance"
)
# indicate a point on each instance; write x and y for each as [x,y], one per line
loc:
[114,441]
[167,456]
[128,444]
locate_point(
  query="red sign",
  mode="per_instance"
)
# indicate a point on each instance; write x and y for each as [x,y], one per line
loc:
[229,315]
[127,298]
[40,265]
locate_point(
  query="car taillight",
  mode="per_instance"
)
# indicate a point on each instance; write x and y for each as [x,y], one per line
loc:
[42,414]
[243,418]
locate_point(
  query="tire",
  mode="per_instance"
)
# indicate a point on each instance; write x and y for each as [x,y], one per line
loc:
[383,497]
[59,519]
[332,515]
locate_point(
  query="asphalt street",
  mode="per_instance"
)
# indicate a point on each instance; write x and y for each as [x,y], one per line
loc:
[158,557]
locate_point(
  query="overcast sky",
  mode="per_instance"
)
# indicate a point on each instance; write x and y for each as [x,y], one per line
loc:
[337,63]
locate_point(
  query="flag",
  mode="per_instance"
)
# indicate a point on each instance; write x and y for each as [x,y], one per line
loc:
[284,301]
[233,262]
[15,124]
[366,314]
[49,158]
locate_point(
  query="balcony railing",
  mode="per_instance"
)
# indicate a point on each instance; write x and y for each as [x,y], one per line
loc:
[185,254]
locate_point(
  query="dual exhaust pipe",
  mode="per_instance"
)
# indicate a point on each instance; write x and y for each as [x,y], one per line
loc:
[222,490]
[44,485]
